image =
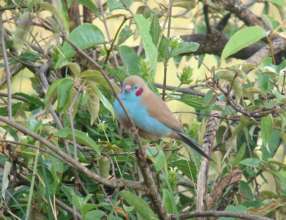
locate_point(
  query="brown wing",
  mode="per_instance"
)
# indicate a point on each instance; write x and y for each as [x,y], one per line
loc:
[158,109]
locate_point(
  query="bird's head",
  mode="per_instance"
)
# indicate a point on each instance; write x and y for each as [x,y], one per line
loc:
[134,85]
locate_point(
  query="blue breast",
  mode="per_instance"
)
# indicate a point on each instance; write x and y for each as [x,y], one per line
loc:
[139,114]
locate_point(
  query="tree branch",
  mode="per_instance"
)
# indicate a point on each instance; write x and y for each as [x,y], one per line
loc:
[217,214]
[214,42]
[151,185]
[242,12]
[209,138]
[7,68]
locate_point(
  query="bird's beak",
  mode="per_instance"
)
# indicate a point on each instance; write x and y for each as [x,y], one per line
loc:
[127,88]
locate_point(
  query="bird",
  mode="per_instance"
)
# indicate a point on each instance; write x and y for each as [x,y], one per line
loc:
[150,113]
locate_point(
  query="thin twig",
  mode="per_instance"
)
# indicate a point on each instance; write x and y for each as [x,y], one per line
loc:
[167,59]
[209,138]
[29,204]
[116,183]
[114,39]
[68,209]
[206,17]
[182,90]
[217,214]
[100,5]
[7,68]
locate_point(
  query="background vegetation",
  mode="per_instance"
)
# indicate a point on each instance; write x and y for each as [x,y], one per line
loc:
[62,155]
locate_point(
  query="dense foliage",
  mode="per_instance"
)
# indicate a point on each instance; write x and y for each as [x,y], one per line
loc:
[62,154]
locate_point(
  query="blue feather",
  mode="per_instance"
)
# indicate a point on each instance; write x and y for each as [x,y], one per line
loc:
[139,114]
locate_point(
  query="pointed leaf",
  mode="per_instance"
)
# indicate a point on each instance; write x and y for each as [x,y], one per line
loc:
[143,26]
[81,138]
[243,38]
[139,204]
[130,59]
[84,36]
[64,94]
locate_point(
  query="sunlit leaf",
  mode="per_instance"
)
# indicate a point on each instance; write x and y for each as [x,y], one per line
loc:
[251,162]
[90,5]
[143,26]
[243,38]
[118,4]
[93,106]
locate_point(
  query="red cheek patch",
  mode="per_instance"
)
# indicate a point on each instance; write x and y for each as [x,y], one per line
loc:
[139,91]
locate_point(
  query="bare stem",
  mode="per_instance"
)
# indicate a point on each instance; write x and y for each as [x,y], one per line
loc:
[7,68]
[214,213]
[167,59]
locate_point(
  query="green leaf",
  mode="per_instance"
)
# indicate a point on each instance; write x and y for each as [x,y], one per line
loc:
[75,68]
[102,98]
[186,76]
[95,76]
[245,190]
[93,106]
[125,33]
[164,52]
[279,3]
[264,82]
[185,48]
[232,208]
[169,201]
[155,29]
[64,94]
[81,138]
[239,155]
[84,36]
[139,204]
[243,38]
[266,128]
[118,4]
[281,179]
[251,162]
[160,161]
[94,214]
[187,167]
[192,100]
[143,26]
[90,5]
[268,149]
[51,93]
[34,102]
[130,59]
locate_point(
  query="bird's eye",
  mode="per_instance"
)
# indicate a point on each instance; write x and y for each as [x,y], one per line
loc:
[135,87]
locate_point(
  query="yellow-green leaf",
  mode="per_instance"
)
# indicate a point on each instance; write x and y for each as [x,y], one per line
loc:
[243,38]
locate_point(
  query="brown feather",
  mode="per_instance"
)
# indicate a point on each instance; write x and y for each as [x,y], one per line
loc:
[158,109]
